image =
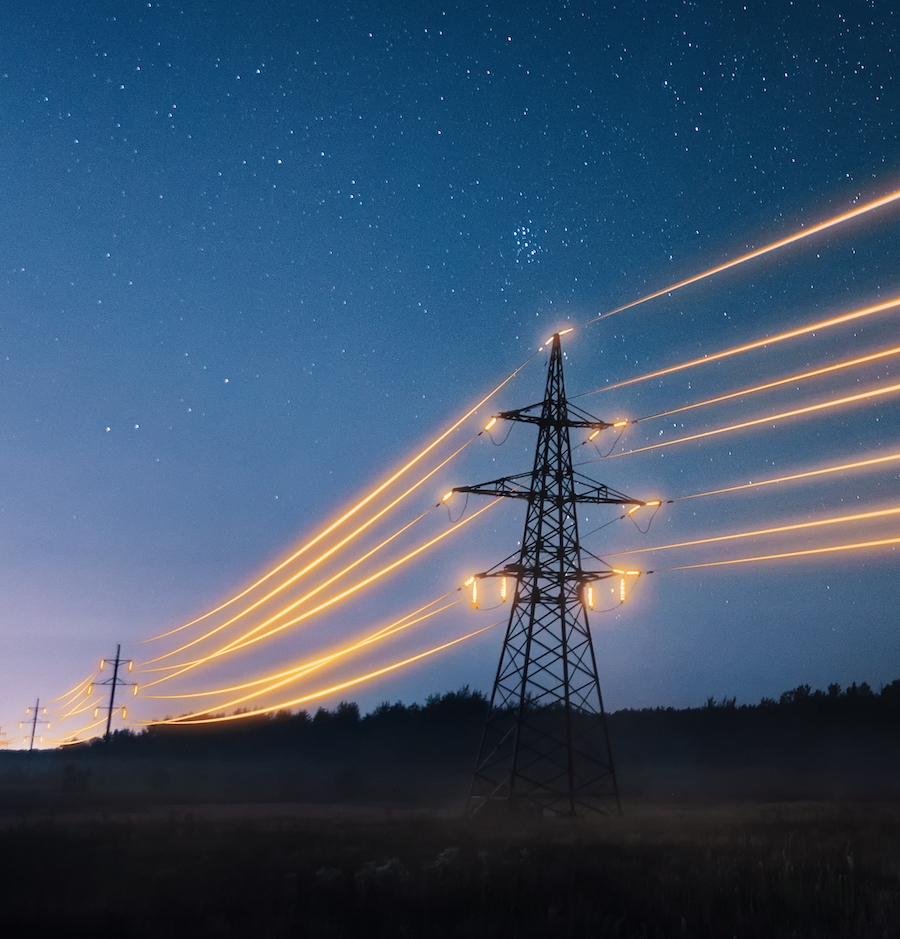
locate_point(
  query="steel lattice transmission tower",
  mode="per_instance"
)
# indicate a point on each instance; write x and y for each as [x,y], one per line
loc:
[545,743]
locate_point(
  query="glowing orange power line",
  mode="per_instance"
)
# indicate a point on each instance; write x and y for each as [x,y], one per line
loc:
[809,409]
[291,606]
[248,639]
[858,464]
[324,556]
[190,719]
[356,508]
[801,376]
[74,691]
[818,523]
[319,560]
[279,681]
[750,346]
[298,671]
[750,255]
[787,554]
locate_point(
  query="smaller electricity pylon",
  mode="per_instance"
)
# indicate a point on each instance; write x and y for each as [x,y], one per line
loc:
[115,682]
[35,720]
[545,745]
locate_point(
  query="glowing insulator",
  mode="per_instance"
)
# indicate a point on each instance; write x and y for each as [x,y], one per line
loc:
[45,710]
[135,690]
[633,509]
[20,725]
[102,663]
[596,433]
[503,590]
[654,502]
[27,710]
[447,496]
[589,596]
[124,713]
[130,666]
[633,573]
[622,423]
[469,582]
[96,713]
[90,691]
[563,332]
[48,726]
[475,593]
[490,423]
[622,590]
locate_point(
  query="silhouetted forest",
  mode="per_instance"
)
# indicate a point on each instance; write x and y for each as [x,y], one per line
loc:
[837,743]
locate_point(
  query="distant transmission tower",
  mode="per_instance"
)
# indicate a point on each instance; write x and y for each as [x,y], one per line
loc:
[545,745]
[35,720]
[115,682]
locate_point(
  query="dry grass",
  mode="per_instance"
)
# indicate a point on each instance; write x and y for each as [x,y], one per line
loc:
[279,871]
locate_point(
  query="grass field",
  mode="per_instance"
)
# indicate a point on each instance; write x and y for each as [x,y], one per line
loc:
[282,870]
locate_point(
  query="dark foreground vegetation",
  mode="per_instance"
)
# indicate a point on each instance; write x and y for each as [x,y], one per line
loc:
[776,820]
[774,873]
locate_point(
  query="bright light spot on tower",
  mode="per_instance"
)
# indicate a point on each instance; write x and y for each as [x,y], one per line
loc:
[596,433]
[130,666]
[490,423]
[589,596]
[503,590]
[633,509]
[447,496]
[90,691]
[622,423]
[622,590]
[102,663]
[475,593]
[96,712]
[135,690]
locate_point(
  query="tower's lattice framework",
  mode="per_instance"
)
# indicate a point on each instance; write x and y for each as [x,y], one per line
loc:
[545,743]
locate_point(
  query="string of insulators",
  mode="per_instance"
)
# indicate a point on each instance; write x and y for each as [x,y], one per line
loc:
[473,583]
[621,590]
[503,590]
[589,596]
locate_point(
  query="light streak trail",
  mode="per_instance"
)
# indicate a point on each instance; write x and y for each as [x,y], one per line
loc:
[249,639]
[356,508]
[751,255]
[801,376]
[818,523]
[317,561]
[72,692]
[96,723]
[860,545]
[279,681]
[291,606]
[297,671]
[85,705]
[858,464]
[809,409]
[191,719]
[750,346]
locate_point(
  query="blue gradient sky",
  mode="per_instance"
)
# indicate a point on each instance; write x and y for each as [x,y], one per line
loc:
[254,254]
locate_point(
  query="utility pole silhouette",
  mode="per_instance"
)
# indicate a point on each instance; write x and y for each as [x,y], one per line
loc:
[34,722]
[114,682]
[545,745]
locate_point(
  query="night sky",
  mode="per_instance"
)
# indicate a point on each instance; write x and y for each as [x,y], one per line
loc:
[257,255]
